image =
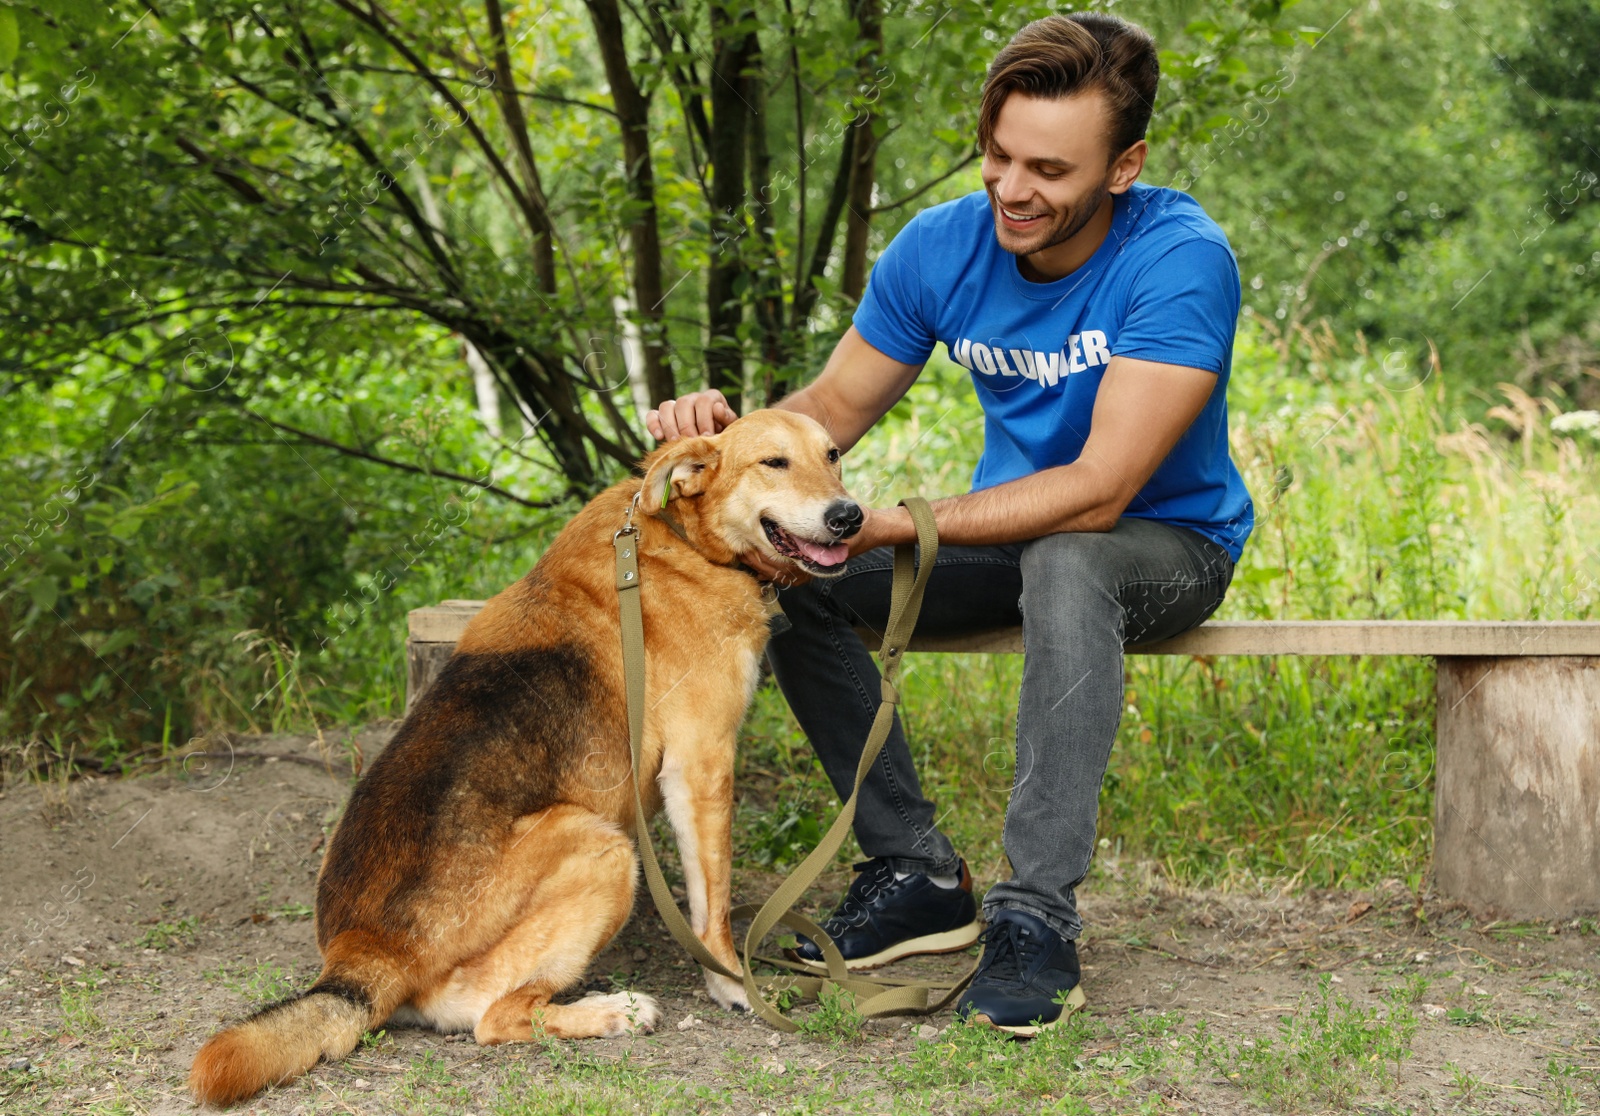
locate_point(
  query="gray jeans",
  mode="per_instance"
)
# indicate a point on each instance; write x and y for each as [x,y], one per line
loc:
[1080,597]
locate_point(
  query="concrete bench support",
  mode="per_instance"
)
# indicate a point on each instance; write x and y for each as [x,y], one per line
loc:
[1517,765]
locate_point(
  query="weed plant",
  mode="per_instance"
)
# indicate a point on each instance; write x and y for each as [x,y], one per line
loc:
[834,1020]
[80,1007]
[169,935]
[1327,1051]
[260,984]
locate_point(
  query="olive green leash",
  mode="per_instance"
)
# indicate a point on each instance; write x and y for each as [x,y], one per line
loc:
[873,997]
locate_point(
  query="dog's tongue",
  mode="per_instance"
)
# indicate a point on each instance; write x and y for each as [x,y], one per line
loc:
[823,555]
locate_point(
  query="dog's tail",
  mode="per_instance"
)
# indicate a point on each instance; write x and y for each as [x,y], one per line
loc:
[358,990]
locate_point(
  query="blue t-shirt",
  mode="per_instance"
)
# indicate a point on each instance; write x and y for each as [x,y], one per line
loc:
[1163,287]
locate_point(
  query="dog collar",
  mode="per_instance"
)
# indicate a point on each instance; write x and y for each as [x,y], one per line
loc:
[777,622]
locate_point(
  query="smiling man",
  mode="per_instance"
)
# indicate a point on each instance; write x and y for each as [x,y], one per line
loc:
[1096,315]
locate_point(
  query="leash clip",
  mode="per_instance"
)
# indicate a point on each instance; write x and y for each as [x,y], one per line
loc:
[627,525]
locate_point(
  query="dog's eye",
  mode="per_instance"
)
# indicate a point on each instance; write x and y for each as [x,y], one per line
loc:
[833,455]
[776,463]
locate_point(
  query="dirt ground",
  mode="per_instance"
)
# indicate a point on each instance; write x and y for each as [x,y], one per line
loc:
[140,913]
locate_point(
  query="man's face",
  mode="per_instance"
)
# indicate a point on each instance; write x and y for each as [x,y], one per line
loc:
[1047,169]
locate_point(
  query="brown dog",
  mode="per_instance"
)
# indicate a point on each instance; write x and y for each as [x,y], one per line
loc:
[485,858]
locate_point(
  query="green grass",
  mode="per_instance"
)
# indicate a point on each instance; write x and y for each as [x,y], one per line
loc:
[259,984]
[1327,1052]
[584,1085]
[1230,772]
[169,935]
[1520,931]
[80,1005]
[964,1058]
[834,1020]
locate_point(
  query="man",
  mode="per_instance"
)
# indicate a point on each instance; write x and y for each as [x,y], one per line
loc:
[1096,315]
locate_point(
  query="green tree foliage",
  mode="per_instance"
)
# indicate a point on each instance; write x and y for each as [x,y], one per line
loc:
[253,254]
[258,259]
[1555,76]
[1416,176]
[216,192]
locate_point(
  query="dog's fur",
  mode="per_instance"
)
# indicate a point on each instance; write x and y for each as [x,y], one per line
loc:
[486,857]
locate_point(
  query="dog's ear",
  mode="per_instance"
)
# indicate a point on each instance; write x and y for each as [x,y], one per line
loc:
[680,468]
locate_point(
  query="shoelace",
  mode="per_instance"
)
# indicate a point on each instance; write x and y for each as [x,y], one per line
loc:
[874,876]
[1008,951]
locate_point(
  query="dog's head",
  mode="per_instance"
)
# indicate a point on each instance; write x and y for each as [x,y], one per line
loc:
[767,483]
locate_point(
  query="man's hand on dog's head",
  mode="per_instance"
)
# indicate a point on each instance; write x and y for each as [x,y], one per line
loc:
[699,412]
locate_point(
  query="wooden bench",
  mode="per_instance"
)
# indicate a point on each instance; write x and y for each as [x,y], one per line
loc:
[1517,763]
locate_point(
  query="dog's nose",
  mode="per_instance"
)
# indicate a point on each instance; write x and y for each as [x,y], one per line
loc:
[843,518]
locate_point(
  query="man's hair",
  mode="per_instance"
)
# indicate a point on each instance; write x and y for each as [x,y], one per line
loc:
[1058,56]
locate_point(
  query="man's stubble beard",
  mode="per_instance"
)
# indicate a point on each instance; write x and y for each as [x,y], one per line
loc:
[1069,225]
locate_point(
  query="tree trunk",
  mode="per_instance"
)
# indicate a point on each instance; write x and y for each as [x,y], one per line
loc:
[864,161]
[536,208]
[540,385]
[730,45]
[632,352]
[1516,813]
[644,236]
[805,299]
[485,387]
[769,273]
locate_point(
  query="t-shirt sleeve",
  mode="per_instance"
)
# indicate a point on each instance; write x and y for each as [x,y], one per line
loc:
[1184,308]
[891,316]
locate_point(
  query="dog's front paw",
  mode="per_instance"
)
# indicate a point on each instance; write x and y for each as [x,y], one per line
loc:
[623,1013]
[727,993]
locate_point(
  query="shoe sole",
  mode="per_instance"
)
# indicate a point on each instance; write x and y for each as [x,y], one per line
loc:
[951,941]
[1075,1000]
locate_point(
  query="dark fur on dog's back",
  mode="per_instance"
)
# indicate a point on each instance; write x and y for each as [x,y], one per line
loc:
[495,739]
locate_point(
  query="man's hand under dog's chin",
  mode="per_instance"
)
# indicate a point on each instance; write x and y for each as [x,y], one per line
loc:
[880,527]
[782,574]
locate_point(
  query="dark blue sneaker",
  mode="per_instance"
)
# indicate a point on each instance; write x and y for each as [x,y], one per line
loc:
[883,919]
[1027,979]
